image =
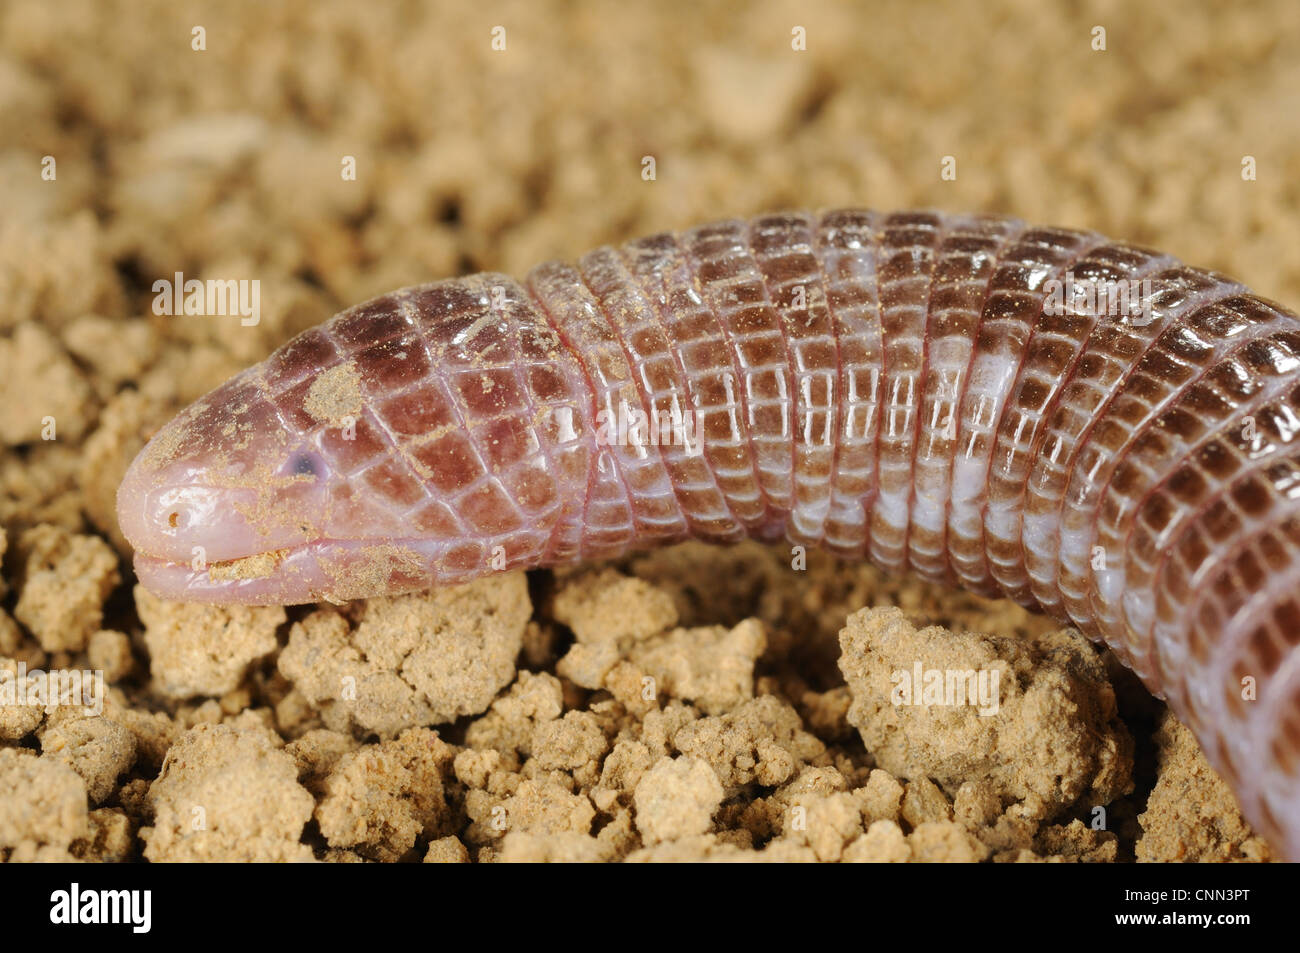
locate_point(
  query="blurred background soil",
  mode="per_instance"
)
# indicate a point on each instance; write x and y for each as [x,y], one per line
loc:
[128,155]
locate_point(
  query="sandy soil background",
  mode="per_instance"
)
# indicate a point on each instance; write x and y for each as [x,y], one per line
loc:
[693,703]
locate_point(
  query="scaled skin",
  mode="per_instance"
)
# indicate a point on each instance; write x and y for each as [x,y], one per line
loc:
[403,445]
[890,387]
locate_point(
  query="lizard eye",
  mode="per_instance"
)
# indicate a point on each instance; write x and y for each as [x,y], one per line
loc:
[306,464]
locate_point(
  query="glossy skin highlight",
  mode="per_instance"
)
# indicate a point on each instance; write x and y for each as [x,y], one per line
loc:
[890,387]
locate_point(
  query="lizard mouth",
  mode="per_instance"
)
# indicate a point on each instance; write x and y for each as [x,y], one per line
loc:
[319,571]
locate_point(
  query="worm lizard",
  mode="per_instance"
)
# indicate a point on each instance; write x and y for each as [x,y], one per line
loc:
[1087,427]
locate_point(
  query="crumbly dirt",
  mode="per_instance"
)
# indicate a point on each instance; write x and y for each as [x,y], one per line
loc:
[690,704]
